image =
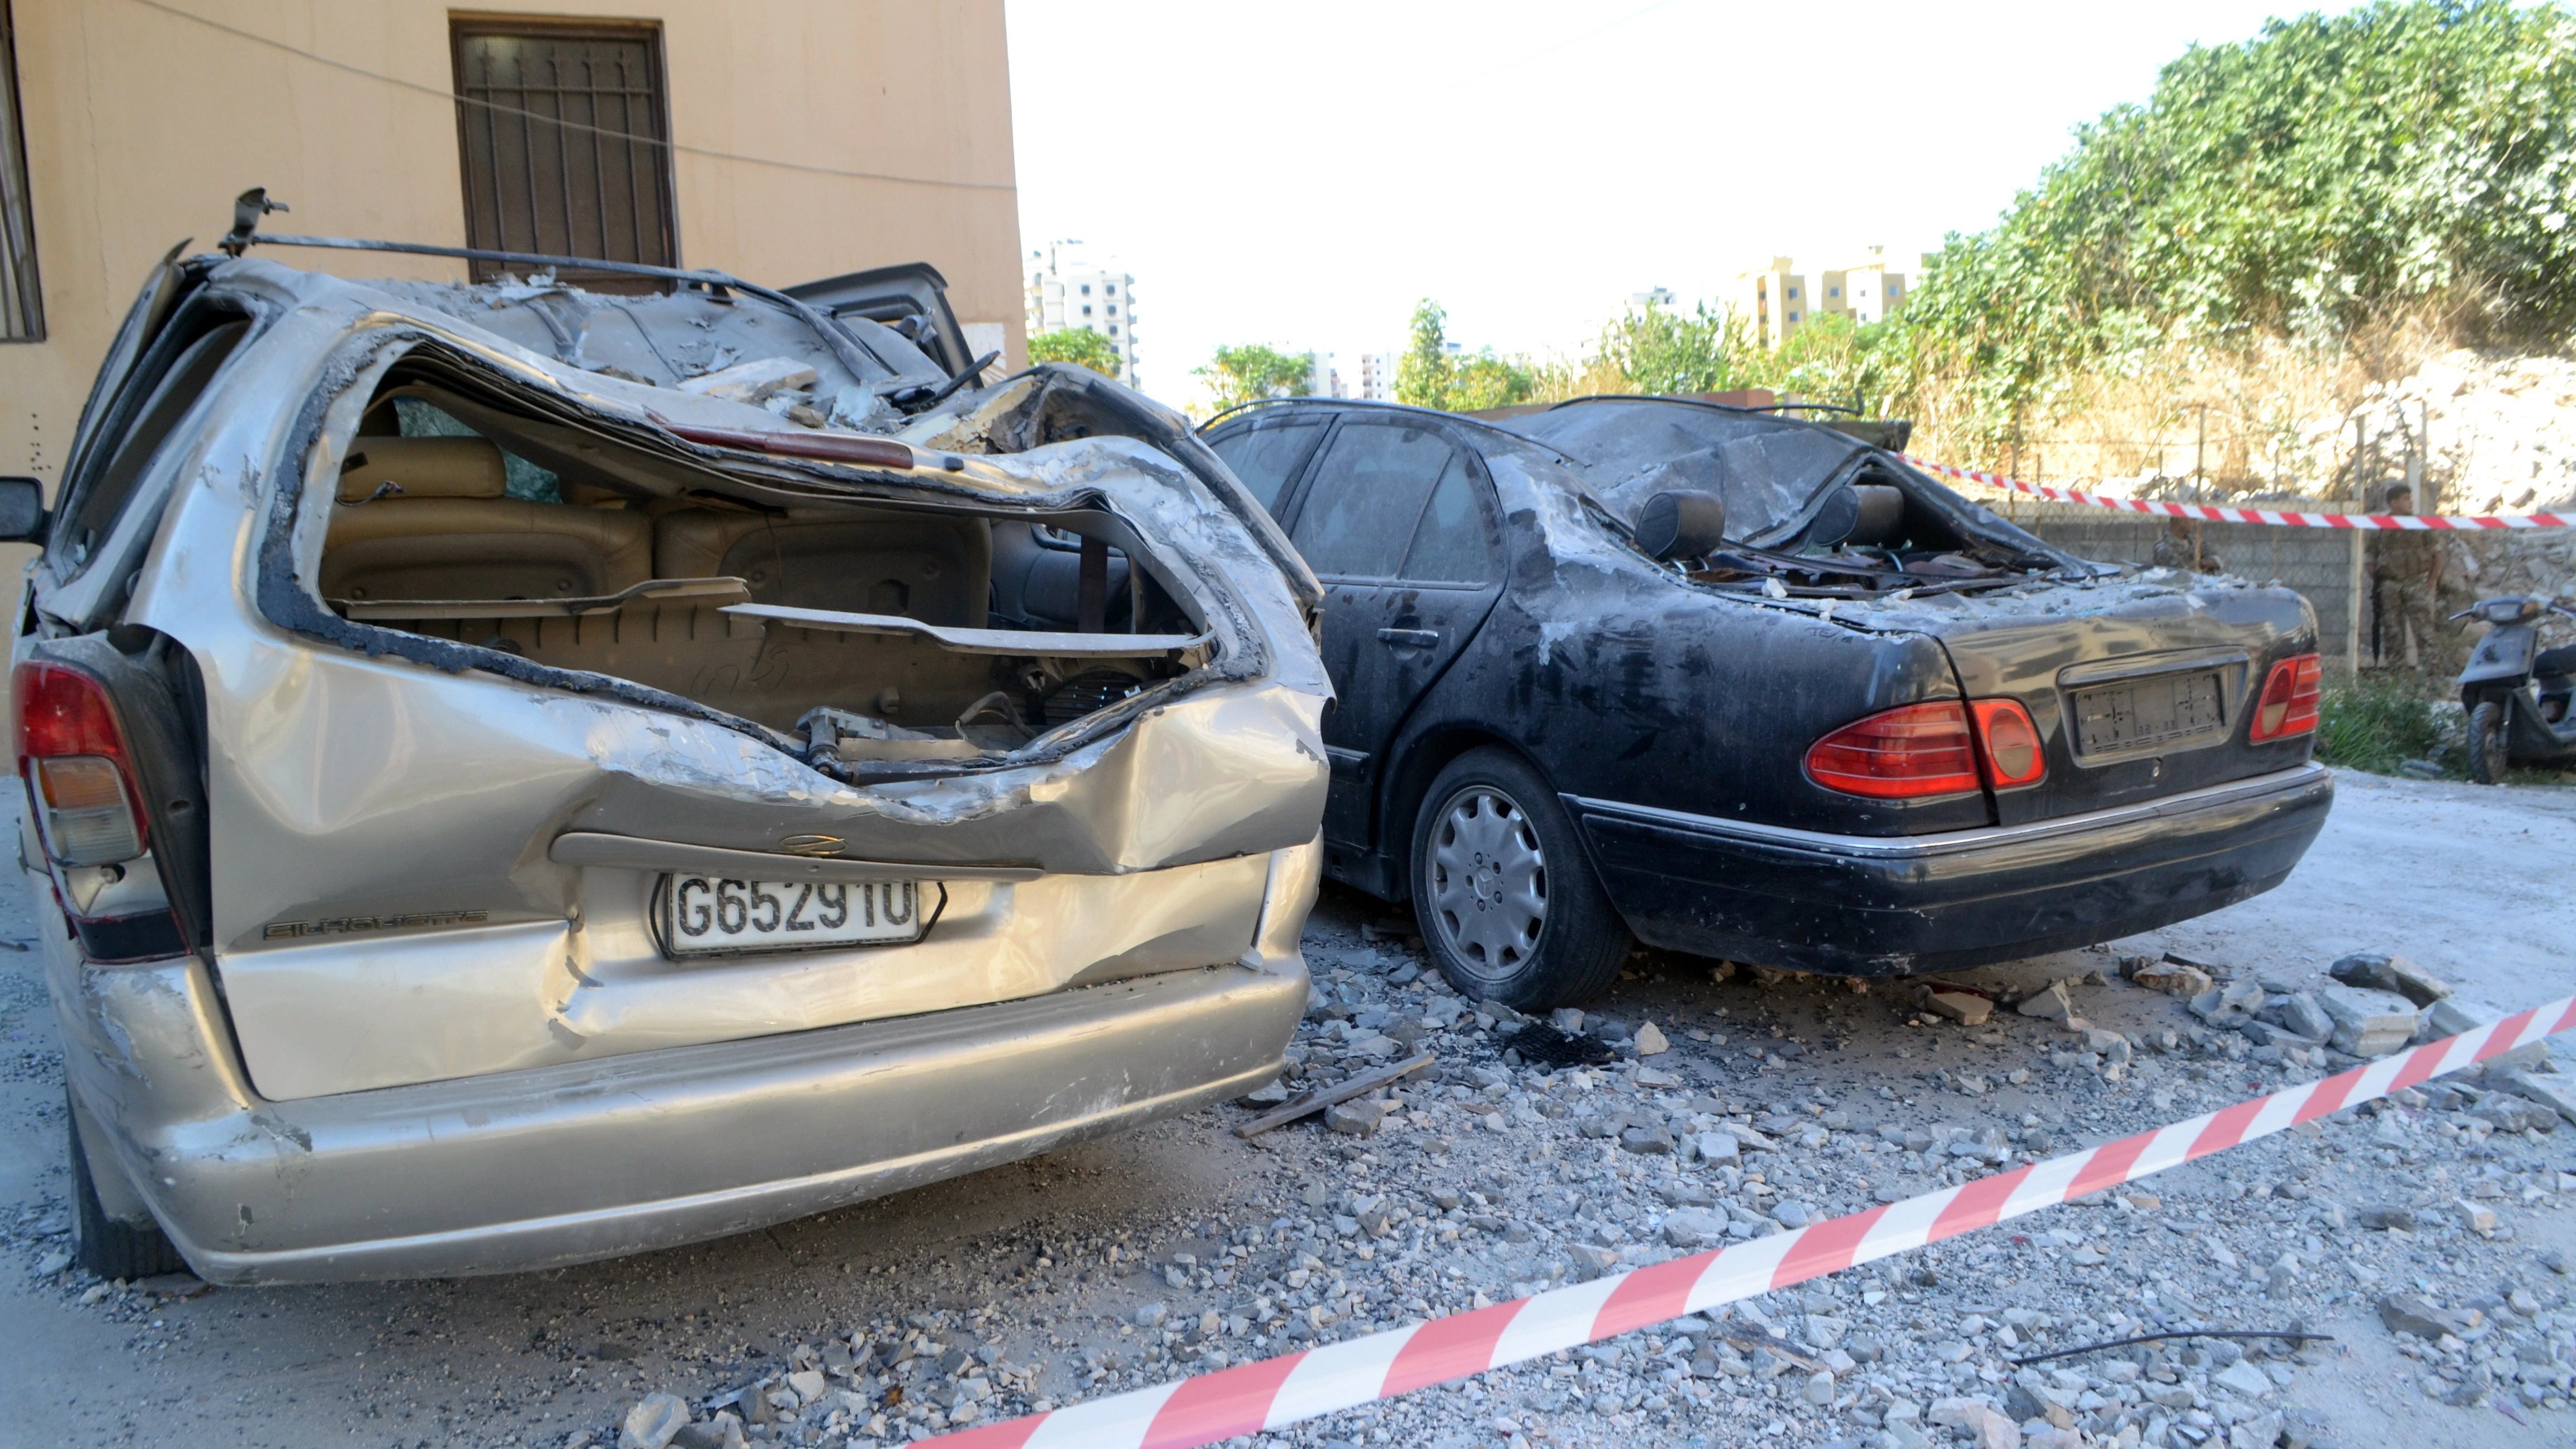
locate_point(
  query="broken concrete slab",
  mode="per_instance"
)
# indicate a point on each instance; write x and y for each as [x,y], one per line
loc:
[1965,1005]
[2396,974]
[2050,1003]
[2367,1023]
[1694,1228]
[2171,978]
[2299,1012]
[2554,1090]
[1357,1119]
[2228,1006]
[1717,1147]
[2413,1313]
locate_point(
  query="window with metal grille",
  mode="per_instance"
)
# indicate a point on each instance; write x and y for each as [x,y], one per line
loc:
[22,301]
[565,130]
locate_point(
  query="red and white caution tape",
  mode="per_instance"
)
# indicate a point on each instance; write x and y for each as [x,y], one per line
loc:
[1271,1393]
[2386,522]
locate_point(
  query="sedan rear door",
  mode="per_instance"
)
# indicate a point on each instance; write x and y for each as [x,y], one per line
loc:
[1400,525]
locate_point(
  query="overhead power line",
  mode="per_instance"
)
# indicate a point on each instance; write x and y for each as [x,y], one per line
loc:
[627,136]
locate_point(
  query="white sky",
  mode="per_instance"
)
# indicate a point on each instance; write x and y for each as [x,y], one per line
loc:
[1300,174]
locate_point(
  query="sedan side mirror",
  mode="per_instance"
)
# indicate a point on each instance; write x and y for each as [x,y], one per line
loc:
[23,518]
[1681,525]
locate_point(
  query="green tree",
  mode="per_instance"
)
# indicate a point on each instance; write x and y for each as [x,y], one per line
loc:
[1251,372]
[1078,345]
[1422,374]
[1662,351]
[1429,375]
[2331,171]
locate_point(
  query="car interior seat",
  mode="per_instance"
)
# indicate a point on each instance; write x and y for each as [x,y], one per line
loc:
[428,518]
[926,566]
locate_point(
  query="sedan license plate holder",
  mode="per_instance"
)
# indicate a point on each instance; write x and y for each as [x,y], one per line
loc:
[704,915]
[2153,712]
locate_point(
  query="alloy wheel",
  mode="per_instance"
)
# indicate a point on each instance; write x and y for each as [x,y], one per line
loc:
[1488,882]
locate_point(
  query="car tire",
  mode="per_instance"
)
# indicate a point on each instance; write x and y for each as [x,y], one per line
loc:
[1508,904]
[2487,743]
[102,1245]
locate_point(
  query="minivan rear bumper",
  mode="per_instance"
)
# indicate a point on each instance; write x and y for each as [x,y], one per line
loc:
[1880,905]
[650,1149]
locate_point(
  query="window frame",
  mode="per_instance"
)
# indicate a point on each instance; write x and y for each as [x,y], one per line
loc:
[22,288]
[463,25]
[1477,478]
[195,319]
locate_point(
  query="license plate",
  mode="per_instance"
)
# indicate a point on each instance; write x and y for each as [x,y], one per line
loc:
[2143,714]
[708,915]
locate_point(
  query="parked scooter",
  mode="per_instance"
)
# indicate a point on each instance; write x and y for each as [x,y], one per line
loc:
[2517,693]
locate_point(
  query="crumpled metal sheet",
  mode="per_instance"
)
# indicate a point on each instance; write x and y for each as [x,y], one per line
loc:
[359,774]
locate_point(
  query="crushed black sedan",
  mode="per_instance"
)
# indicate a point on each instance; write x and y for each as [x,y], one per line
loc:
[1746,686]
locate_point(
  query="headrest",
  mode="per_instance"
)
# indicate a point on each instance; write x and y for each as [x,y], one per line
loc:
[422,468]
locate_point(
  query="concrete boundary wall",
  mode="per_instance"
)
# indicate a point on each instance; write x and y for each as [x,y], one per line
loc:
[2323,564]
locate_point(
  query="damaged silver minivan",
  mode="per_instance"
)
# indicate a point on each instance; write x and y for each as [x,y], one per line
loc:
[519,773]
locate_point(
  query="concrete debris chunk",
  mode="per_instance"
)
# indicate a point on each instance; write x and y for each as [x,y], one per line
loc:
[653,1422]
[2553,1090]
[1694,1228]
[2392,974]
[1361,1118]
[1963,1004]
[2242,1378]
[2447,1018]
[2415,1314]
[724,1431]
[2170,977]
[2299,1012]
[1651,1042]
[2367,1023]
[1590,1260]
[1714,1147]
[2477,1217]
[2049,1004]
[2229,1006]
[752,382]
[1651,1140]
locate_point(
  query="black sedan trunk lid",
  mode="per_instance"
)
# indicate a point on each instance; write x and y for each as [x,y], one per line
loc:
[2140,688]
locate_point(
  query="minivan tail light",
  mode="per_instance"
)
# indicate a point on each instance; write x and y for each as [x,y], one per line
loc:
[79,773]
[2289,702]
[2010,743]
[1899,754]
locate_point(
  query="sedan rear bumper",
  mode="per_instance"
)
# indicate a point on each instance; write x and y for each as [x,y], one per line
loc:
[1880,905]
[651,1149]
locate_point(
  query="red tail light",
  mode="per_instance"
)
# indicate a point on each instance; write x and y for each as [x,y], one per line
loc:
[2011,743]
[2289,703]
[79,774]
[1900,754]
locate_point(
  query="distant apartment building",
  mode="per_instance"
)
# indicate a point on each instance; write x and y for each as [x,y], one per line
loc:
[1323,379]
[1068,287]
[1653,297]
[1775,300]
[1772,300]
[1377,376]
[1868,290]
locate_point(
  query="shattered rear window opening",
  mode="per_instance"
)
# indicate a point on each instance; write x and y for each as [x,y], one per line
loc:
[875,621]
[1810,512]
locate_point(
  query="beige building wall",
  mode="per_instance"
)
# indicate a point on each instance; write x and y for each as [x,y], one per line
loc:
[142,124]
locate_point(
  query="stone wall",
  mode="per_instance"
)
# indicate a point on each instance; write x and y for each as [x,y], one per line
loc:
[2323,564]
[2329,567]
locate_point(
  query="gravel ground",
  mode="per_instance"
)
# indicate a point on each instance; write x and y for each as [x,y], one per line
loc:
[1777,1100]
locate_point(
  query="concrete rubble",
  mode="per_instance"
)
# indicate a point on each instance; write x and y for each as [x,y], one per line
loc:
[1727,1111]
